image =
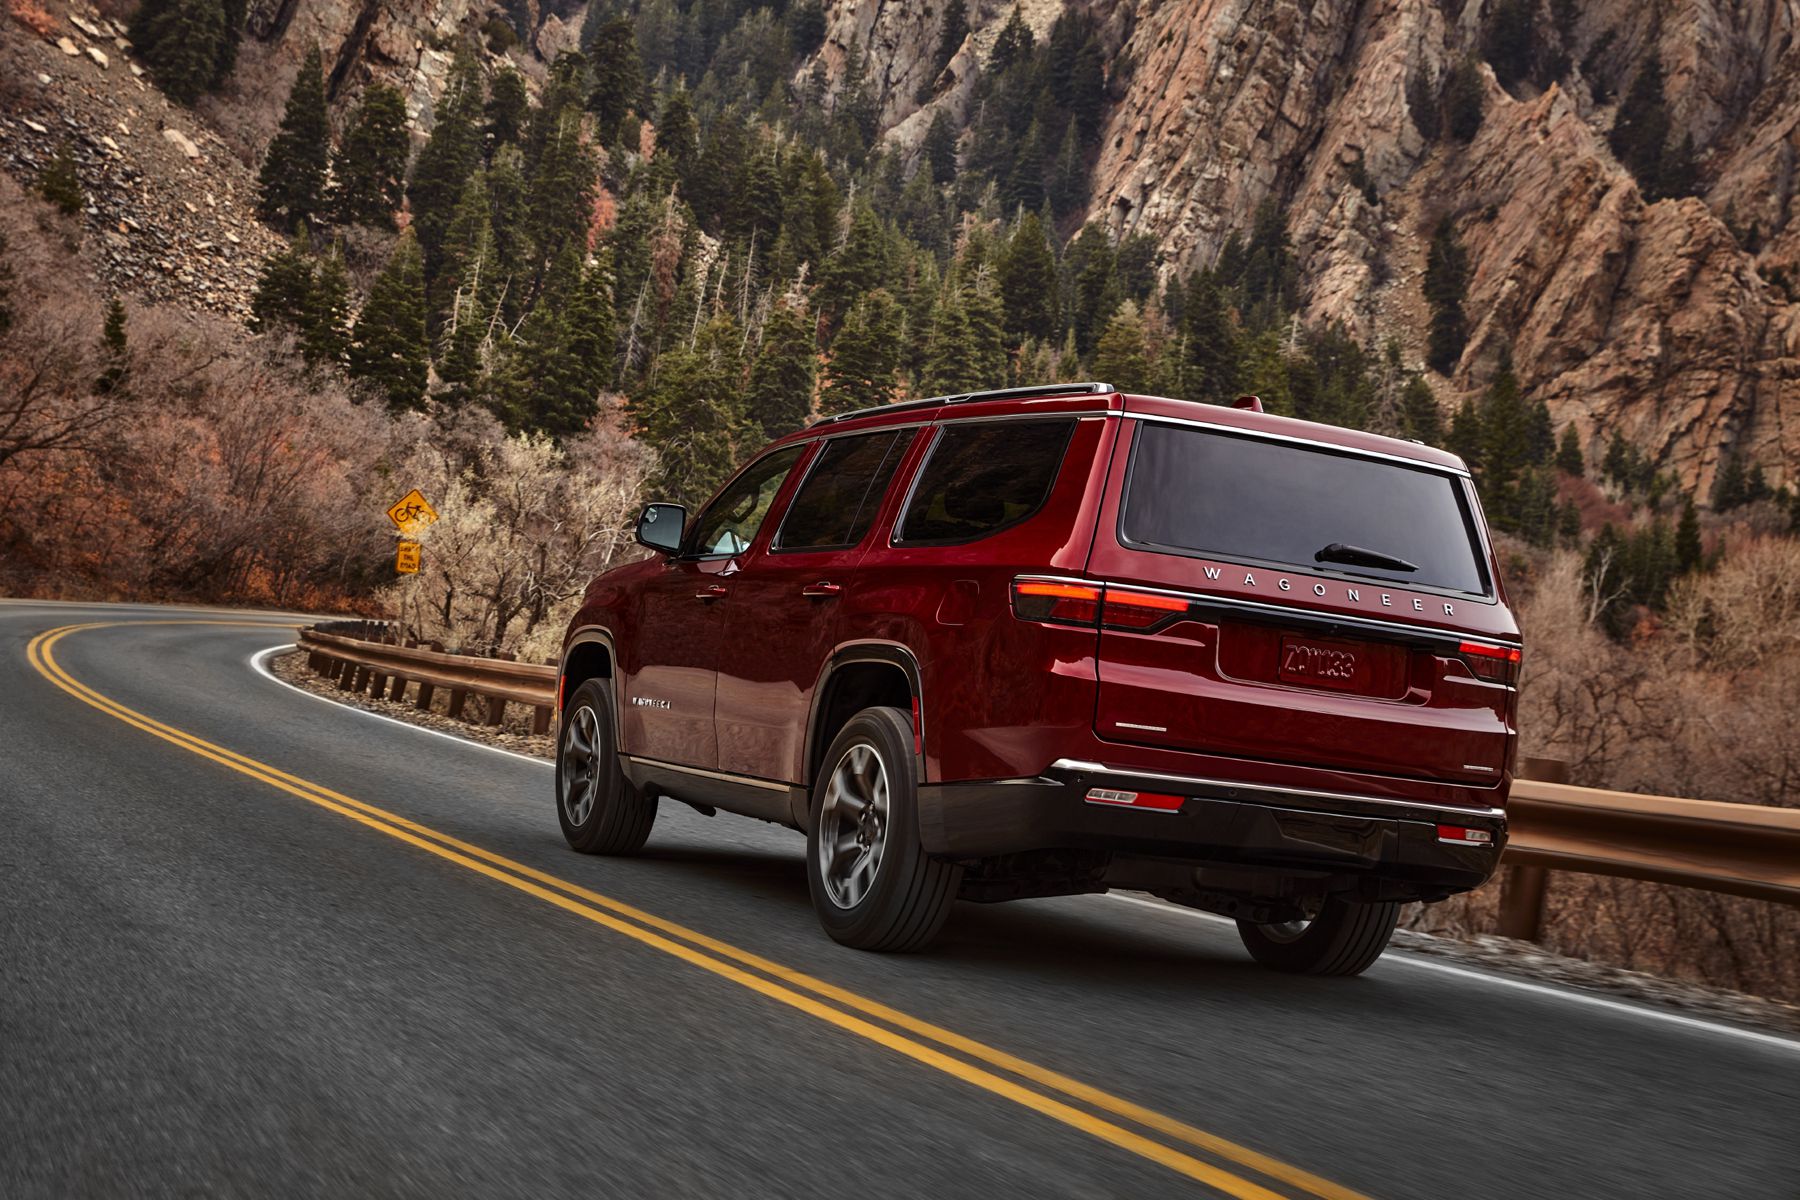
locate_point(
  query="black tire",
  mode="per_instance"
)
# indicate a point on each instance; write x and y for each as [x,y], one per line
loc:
[904,895]
[598,809]
[1344,939]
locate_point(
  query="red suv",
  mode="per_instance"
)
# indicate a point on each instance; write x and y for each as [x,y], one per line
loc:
[1056,640]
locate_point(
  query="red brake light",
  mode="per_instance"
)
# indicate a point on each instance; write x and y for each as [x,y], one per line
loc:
[1148,801]
[1056,601]
[1462,835]
[1496,664]
[1140,610]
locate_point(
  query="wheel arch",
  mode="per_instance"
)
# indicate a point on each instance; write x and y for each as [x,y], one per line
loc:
[860,675]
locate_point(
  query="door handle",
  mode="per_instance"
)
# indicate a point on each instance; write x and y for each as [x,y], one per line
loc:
[712,591]
[822,588]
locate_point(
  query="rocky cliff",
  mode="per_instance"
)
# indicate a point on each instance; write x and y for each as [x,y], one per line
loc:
[1675,321]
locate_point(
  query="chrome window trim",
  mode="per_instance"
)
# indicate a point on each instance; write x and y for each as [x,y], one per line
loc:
[1091,768]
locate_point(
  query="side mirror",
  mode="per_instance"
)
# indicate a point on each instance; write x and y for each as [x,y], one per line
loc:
[660,527]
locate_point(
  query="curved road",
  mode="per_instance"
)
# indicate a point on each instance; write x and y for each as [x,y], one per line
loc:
[252,942]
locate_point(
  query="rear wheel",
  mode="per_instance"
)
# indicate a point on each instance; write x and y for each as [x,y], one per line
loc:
[600,812]
[872,884]
[1343,939]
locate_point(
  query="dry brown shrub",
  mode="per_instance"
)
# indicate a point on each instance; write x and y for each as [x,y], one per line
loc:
[525,525]
[33,15]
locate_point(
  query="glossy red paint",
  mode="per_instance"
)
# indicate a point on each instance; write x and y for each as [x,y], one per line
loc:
[1165,688]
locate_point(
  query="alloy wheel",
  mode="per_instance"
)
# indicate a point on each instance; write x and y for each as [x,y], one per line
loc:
[853,825]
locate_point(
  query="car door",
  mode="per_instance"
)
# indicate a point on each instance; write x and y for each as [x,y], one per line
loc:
[783,611]
[671,664]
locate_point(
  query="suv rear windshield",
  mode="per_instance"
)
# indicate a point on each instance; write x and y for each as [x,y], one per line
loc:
[1216,495]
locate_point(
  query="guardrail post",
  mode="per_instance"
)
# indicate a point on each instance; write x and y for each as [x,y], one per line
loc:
[458,698]
[397,688]
[426,691]
[496,710]
[377,684]
[540,719]
[1522,891]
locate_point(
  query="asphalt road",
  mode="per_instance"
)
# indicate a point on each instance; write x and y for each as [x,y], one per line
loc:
[222,974]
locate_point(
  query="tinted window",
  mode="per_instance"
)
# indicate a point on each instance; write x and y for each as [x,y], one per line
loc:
[842,493]
[730,522]
[981,478]
[1196,492]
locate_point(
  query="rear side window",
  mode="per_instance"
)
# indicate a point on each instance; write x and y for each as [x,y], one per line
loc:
[836,505]
[1197,492]
[982,478]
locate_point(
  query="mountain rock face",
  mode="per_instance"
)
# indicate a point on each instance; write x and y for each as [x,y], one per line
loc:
[1674,322]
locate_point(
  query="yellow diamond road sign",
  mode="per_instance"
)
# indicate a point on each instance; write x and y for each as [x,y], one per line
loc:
[406,558]
[413,512]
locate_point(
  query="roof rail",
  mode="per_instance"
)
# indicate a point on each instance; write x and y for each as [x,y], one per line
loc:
[1042,389]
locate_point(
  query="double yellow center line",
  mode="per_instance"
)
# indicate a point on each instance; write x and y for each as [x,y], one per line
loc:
[1109,1118]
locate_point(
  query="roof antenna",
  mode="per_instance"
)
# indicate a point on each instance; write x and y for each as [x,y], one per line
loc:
[1250,403]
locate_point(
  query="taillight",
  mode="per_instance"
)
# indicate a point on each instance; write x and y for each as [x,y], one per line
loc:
[1126,609]
[1496,664]
[1462,835]
[1055,601]
[1148,801]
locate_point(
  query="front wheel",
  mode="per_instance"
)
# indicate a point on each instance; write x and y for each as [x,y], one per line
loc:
[1345,938]
[599,810]
[872,883]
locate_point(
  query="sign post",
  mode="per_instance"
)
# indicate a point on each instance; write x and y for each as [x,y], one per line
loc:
[410,515]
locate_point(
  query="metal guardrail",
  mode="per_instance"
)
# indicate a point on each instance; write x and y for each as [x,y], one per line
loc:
[1737,849]
[363,657]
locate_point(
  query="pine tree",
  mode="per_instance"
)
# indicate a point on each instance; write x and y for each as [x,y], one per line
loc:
[1640,131]
[1027,276]
[234,12]
[1214,353]
[114,347]
[949,349]
[1120,357]
[447,159]
[1465,100]
[1507,40]
[181,42]
[677,133]
[1095,291]
[1568,523]
[690,413]
[283,287]
[1446,286]
[1568,453]
[292,185]
[1068,174]
[618,73]
[1505,445]
[325,314]
[857,266]
[60,184]
[940,149]
[986,318]
[1024,186]
[506,110]
[864,356]
[369,171]
[1466,435]
[1014,45]
[1419,414]
[779,396]
[388,347]
[1540,433]
[1689,553]
[951,35]
[560,195]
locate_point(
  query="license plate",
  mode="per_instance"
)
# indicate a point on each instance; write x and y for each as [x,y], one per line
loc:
[1337,665]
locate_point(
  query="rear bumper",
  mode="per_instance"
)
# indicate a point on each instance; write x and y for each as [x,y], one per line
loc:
[1218,822]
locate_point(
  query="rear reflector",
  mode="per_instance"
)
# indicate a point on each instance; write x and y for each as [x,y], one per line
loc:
[1056,601]
[1149,801]
[1462,835]
[1496,664]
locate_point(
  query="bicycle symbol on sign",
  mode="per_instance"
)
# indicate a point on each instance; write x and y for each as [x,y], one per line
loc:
[412,512]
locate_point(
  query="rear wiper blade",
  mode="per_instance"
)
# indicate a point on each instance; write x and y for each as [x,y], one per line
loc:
[1338,552]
